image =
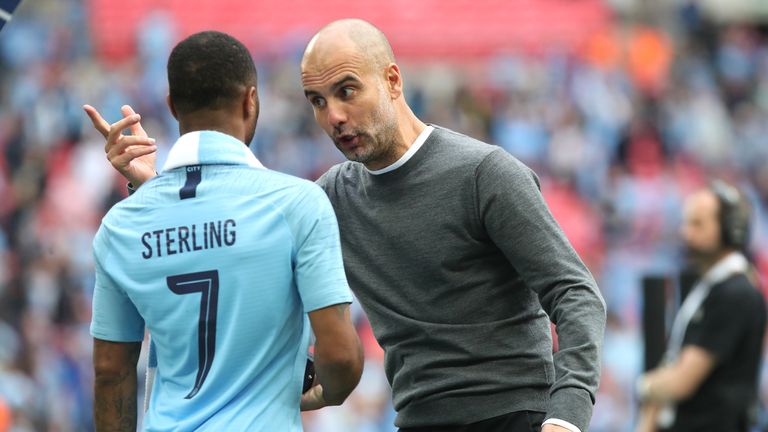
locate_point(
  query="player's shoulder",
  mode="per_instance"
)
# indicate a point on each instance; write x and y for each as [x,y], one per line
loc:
[121,211]
[462,146]
[289,191]
[476,155]
[112,222]
[278,177]
[301,185]
[347,170]
[736,291]
[260,181]
[136,201]
[737,282]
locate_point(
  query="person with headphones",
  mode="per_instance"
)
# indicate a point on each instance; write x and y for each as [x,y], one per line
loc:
[709,375]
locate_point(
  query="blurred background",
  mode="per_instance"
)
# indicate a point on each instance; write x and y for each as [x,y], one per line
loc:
[622,107]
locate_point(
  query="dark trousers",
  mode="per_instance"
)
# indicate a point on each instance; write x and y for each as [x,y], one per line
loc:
[520,421]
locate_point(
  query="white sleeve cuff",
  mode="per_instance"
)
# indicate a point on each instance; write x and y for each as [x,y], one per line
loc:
[561,423]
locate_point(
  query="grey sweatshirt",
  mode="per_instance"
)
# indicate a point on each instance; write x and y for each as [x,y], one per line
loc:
[460,266]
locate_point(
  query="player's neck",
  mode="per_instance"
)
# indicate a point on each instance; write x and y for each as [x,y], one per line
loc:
[707,265]
[220,121]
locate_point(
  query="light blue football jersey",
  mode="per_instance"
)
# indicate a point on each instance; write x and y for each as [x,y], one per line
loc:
[221,259]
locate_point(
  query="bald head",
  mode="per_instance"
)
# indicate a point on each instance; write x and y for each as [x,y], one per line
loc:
[355,88]
[355,36]
[702,203]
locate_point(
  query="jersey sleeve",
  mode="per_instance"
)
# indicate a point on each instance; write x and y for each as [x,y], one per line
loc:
[319,269]
[114,316]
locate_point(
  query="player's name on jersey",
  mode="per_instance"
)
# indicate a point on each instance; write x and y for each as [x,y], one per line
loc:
[192,238]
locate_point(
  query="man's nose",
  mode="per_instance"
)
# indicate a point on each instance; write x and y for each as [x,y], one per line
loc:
[337,115]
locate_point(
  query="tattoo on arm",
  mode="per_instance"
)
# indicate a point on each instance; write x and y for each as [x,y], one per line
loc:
[114,402]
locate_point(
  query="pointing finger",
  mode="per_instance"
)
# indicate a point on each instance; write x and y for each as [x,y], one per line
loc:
[98,121]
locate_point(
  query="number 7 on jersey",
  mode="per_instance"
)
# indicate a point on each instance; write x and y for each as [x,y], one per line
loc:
[207,284]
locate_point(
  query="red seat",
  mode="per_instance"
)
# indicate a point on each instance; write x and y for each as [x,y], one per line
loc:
[456,29]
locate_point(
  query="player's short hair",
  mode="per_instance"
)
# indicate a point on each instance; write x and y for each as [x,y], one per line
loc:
[208,70]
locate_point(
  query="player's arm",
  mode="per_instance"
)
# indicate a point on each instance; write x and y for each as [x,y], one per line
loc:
[133,155]
[114,399]
[118,330]
[718,335]
[513,211]
[338,357]
[649,412]
[671,383]
[679,380]
[325,295]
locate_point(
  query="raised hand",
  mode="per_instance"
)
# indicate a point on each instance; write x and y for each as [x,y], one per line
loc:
[133,155]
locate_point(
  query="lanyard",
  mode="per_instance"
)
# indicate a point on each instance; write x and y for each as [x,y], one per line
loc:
[732,264]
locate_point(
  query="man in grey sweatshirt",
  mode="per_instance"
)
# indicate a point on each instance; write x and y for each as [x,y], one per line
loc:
[452,252]
[453,255]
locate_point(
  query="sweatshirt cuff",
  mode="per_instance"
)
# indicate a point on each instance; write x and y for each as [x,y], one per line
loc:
[561,423]
[573,405]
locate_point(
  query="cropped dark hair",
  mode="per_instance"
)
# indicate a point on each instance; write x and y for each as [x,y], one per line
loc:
[208,70]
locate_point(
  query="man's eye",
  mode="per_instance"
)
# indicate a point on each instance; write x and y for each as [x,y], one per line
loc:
[318,102]
[347,91]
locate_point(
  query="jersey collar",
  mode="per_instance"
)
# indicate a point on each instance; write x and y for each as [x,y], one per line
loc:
[209,148]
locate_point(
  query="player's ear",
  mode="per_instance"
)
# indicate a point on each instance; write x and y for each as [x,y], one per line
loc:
[251,103]
[171,107]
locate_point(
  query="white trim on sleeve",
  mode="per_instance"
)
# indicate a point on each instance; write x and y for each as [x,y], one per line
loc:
[561,423]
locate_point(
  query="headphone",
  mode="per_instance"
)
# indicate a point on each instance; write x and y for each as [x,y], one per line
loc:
[734,215]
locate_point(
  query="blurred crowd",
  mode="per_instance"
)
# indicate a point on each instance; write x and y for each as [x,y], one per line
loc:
[618,132]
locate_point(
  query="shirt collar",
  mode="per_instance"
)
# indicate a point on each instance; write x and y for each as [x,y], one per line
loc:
[209,148]
[407,156]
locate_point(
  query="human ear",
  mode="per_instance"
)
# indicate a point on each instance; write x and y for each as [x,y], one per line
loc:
[394,80]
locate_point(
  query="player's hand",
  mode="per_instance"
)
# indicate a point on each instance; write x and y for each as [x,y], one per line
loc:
[313,399]
[553,428]
[133,155]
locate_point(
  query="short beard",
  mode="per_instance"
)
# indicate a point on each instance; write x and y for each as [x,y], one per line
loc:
[384,145]
[701,259]
[382,142]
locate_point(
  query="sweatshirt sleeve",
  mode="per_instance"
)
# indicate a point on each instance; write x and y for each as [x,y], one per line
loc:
[513,212]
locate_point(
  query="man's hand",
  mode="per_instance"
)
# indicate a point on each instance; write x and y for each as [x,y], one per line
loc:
[313,399]
[133,155]
[649,414]
[553,428]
